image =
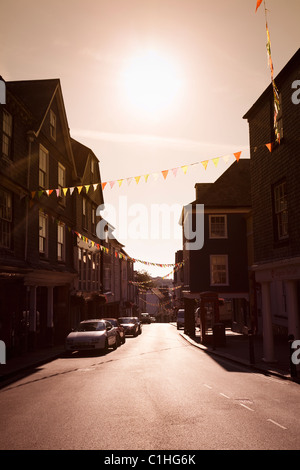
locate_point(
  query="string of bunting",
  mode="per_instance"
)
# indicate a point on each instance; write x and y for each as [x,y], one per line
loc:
[59,192]
[270,63]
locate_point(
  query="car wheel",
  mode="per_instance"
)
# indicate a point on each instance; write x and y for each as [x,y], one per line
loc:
[124,339]
[115,345]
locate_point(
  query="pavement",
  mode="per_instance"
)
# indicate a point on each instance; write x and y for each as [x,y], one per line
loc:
[236,348]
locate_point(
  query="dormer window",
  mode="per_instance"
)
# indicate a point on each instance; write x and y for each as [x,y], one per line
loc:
[52,124]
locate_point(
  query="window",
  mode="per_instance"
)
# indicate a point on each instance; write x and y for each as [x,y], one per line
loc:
[43,231]
[52,125]
[84,213]
[43,167]
[217,226]
[5,219]
[61,182]
[280,211]
[61,242]
[7,134]
[219,270]
[93,220]
[92,166]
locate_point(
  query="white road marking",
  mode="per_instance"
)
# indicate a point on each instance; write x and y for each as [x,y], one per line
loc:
[223,395]
[208,386]
[277,424]
[250,409]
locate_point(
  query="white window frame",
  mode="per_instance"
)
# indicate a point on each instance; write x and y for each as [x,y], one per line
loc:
[43,167]
[6,134]
[84,213]
[215,273]
[43,234]
[213,234]
[52,125]
[61,182]
[61,242]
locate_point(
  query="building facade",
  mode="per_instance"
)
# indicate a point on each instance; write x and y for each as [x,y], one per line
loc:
[275,173]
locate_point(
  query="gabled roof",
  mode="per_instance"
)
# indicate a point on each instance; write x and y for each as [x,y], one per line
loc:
[81,155]
[36,95]
[231,189]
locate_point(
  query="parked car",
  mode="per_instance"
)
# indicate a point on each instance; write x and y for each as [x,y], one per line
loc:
[145,317]
[92,335]
[180,318]
[119,328]
[131,325]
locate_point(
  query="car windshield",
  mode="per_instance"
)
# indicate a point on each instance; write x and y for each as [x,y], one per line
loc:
[91,326]
[127,320]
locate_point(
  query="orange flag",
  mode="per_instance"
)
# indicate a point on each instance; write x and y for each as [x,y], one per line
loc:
[205,163]
[269,147]
[103,185]
[165,173]
[258,3]
[237,155]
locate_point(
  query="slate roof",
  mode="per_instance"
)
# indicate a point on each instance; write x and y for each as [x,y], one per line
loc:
[231,189]
[35,94]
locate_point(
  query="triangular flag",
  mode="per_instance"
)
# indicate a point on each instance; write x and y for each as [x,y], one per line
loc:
[129,180]
[65,190]
[216,161]
[137,179]
[120,182]
[205,163]
[146,177]
[165,173]
[71,190]
[48,192]
[87,187]
[103,185]
[33,194]
[57,192]
[112,184]
[79,189]
[174,171]
[40,193]
[237,155]
[184,168]
[95,186]
[269,147]
[258,3]
[226,158]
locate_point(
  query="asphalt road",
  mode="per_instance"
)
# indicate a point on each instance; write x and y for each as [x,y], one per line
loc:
[155,392]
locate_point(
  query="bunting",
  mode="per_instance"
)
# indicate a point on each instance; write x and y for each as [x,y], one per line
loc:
[271,66]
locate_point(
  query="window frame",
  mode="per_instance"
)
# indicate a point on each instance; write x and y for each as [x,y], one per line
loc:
[43,252]
[212,270]
[43,171]
[281,227]
[6,219]
[52,124]
[7,129]
[61,244]
[61,171]
[214,235]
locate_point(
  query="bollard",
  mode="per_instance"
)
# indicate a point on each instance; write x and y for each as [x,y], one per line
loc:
[251,347]
[293,368]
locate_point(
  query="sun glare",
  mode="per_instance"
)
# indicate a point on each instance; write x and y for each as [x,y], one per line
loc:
[151,82]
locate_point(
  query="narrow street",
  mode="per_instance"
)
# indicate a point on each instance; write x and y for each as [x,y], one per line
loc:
[155,392]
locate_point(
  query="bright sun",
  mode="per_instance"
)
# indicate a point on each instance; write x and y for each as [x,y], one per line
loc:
[151,82]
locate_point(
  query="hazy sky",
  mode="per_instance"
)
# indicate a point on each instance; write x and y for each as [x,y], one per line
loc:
[151,85]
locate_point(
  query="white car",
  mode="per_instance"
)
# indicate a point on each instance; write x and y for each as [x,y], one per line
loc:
[97,335]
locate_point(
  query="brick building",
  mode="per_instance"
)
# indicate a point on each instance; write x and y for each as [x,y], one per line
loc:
[275,192]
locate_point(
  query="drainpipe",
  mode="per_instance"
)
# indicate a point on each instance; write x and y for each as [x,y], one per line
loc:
[30,138]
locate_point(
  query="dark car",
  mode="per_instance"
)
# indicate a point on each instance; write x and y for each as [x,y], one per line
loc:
[119,328]
[145,317]
[131,325]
